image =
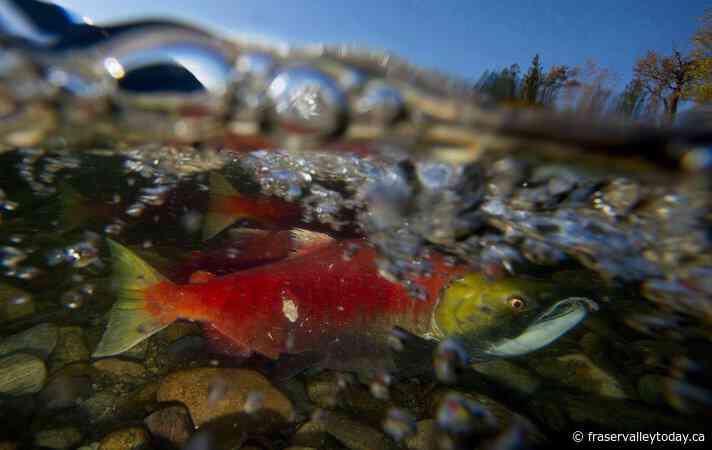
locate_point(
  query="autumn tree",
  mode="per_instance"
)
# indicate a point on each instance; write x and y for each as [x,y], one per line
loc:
[666,80]
[589,89]
[700,89]
[631,102]
[557,78]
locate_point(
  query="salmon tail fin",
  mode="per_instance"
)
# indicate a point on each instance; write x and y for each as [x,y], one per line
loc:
[72,210]
[217,219]
[130,321]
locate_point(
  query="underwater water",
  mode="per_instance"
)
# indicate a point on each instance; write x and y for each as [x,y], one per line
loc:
[350,252]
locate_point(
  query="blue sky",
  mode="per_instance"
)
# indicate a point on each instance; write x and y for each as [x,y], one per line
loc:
[462,38]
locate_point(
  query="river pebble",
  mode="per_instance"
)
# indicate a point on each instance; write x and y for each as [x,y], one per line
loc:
[39,340]
[210,393]
[423,437]
[577,371]
[129,438]
[313,434]
[58,438]
[509,375]
[171,424]
[21,374]
[355,435]
[71,348]
[504,417]
[63,390]
[14,303]
[120,368]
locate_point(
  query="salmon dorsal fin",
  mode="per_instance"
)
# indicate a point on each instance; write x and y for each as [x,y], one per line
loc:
[305,241]
[130,321]
[216,218]
[201,277]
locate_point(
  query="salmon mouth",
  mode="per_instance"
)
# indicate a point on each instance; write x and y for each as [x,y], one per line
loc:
[553,323]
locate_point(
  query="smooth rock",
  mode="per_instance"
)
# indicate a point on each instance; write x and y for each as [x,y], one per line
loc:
[92,446]
[504,416]
[620,415]
[210,393]
[71,348]
[508,375]
[354,434]
[39,340]
[423,437]
[313,434]
[58,438]
[14,303]
[120,368]
[171,424]
[296,392]
[101,406]
[130,438]
[21,374]
[577,371]
[331,390]
[63,391]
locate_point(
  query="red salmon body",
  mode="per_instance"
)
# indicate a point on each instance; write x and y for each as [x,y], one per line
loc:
[303,303]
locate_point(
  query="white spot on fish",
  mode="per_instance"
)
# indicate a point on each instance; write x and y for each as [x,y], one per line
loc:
[289,308]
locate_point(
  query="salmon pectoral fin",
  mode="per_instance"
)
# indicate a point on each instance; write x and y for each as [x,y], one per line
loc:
[130,320]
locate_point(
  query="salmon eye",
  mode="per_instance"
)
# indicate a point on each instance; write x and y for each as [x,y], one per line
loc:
[517,303]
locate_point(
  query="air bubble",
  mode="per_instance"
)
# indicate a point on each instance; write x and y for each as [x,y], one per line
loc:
[11,256]
[399,424]
[72,300]
[254,402]
[380,384]
[381,104]
[450,359]
[306,101]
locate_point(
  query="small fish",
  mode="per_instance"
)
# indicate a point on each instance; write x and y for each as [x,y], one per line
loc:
[76,209]
[320,302]
[247,248]
[227,206]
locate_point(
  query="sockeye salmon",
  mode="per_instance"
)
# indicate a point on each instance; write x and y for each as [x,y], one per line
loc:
[326,299]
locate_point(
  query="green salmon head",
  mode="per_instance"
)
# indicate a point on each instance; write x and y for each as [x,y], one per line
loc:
[506,317]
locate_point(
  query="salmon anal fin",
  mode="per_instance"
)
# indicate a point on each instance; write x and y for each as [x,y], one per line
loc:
[219,343]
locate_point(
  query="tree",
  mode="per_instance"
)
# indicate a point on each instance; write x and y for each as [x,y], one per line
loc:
[700,89]
[557,78]
[502,86]
[588,89]
[666,79]
[532,82]
[631,102]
